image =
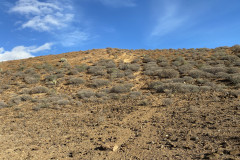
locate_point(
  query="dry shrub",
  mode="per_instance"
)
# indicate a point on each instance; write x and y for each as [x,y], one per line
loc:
[235,79]
[128,66]
[82,67]
[3,104]
[73,72]
[39,89]
[97,70]
[122,88]
[32,79]
[100,82]
[199,74]
[168,73]
[85,93]
[177,88]
[75,81]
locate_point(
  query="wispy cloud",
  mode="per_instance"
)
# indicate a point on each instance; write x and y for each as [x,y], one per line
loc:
[54,17]
[22,52]
[73,38]
[169,19]
[119,3]
[43,16]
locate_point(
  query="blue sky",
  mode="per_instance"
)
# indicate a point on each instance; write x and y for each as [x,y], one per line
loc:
[31,28]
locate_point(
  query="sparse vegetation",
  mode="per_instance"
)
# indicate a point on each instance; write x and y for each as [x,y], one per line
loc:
[109,97]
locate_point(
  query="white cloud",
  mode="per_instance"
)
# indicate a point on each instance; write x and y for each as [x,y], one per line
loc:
[44,16]
[168,21]
[119,3]
[22,52]
[74,38]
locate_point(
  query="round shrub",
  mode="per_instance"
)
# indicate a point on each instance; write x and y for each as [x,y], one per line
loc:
[39,89]
[100,82]
[168,73]
[3,104]
[75,81]
[122,88]
[85,93]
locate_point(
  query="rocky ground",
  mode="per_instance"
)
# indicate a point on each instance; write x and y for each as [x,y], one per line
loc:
[122,104]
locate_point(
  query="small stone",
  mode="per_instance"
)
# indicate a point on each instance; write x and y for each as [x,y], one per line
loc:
[115,148]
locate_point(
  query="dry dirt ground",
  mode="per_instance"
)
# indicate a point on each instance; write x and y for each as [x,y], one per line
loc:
[185,116]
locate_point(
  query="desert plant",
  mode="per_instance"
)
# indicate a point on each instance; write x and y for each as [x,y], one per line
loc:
[167,101]
[3,104]
[177,87]
[100,82]
[48,67]
[117,74]
[75,81]
[32,79]
[135,94]
[62,60]
[147,59]
[85,93]
[107,63]
[129,66]
[184,69]
[195,73]
[178,61]
[73,72]
[122,88]
[235,79]
[39,89]
[233,70]
[50,78]
[214,70]
[236,48]
[82,67]
[62,102]
[168,73]
[97,70]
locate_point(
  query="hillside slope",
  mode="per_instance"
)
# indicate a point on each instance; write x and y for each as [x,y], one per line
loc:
[122,104]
